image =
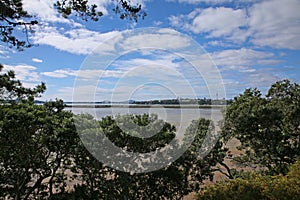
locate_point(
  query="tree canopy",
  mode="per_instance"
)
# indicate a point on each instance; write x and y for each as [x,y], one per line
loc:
[267,127]
[12,90]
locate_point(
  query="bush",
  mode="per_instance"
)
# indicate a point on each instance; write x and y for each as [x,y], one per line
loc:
[256,186]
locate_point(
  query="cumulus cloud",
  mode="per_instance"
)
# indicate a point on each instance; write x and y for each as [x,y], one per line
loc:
[76,41]
[276,24]
[73,37]
[159,39]
[215,22]
[44,10]
[273,23]
[27,74]
[212,1]
[83,41]
[218,21]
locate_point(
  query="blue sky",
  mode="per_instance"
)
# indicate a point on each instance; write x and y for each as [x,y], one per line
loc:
[241,44]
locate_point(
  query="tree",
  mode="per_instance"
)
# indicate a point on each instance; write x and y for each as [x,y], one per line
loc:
[13,17]
[35,142]
[268,128]
[177,179]
[11,90]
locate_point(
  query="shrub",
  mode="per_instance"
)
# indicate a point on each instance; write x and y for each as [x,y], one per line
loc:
[257,186]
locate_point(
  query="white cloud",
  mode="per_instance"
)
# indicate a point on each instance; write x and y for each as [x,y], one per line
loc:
[243,59]
[261,78]
[119,93]
[165,67]
[25,73]
[45,11]
[221,43]
[158,60]
[60,73]
[177,21]
[77,41]
[84,41]
[157,23]
[218,21]
[144,78]
[276,24]
[245,68]
[85,74]
[161,39]
[37,60]
[5,51]
[273,23]
[212,1]
[73,38]
[215,22]
[83,93]
[96,74]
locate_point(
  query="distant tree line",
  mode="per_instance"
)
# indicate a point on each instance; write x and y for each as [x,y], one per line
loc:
[199,101]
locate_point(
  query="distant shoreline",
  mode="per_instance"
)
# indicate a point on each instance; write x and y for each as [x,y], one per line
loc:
[144,106]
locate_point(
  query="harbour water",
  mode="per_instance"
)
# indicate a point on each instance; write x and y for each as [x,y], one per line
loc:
[179,117]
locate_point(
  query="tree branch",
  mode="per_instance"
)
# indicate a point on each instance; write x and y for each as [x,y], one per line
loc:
[229,175]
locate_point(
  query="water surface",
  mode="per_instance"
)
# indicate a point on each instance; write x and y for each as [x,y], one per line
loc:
[180,117]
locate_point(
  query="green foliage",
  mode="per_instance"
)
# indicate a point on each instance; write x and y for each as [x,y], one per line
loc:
[11,90]
[256,186]
[171,182]
[36,142]
[136,124]
[85,10]
[268,128]
[80,7]
[11,16]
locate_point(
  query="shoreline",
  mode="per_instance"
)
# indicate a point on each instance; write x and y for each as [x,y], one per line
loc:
[144,106]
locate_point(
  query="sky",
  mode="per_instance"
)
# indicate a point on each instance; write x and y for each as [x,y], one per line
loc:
[181,49]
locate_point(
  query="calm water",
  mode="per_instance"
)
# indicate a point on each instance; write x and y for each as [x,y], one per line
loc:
[180,117]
